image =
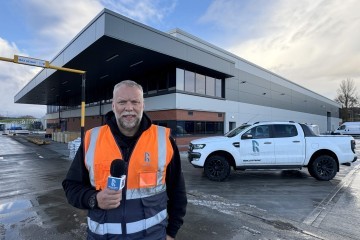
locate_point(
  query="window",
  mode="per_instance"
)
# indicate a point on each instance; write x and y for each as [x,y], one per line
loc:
[189,81]
[211,127]
[218,88]
[342,127]
[232,125]
[210,86]
[285,130]
[180,128]
[172,80]
[180,76]
[214,127]
[200,128]
[187,128]
[259,132]
[200,83]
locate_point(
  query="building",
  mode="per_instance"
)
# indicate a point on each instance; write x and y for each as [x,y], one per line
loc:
[191,86]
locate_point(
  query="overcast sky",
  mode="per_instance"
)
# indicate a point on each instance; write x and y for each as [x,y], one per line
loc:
[314,43]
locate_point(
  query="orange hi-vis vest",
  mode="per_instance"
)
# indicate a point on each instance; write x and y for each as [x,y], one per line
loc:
[143,213]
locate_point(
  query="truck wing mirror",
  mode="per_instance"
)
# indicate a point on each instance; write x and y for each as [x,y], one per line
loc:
[247,136]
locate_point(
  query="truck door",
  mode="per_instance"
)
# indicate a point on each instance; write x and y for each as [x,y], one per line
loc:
[289,145]
[257,147]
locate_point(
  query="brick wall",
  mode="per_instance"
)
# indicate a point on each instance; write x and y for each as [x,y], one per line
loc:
[74,124]
[183,115]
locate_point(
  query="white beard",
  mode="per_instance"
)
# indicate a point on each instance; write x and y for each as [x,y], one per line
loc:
[129,125]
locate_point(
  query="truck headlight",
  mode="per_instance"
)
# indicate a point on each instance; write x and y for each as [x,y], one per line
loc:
[198,146]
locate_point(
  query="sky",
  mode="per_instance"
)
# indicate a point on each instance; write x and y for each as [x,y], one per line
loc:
[313,43]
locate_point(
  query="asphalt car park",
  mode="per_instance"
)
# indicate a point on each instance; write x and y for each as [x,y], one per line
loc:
[251,204]
[289,194]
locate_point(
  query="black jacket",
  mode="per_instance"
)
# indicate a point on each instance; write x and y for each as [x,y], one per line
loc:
[78,189]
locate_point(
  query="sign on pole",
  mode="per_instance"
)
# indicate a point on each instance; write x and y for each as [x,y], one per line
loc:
[31,61]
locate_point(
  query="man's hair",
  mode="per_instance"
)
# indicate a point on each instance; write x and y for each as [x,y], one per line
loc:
[128,83]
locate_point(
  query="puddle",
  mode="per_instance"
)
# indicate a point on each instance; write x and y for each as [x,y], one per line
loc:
[15,206]
[16,211]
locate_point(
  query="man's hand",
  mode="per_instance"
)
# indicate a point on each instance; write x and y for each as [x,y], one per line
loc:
[109,199]
[169,238]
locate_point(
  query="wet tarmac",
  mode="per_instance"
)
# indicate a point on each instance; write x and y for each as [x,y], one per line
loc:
[250,205]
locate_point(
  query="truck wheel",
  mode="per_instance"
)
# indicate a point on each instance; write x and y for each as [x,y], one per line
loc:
[311,171]
[217,168]
[323,168]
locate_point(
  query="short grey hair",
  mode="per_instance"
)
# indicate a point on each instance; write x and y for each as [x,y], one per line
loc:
[129,83]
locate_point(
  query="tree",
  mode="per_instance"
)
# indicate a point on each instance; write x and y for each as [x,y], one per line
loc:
[347,97]
[27,116]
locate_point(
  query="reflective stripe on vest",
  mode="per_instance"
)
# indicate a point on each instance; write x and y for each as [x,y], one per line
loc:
[144,192]
[133,227]
[162,152]
[90,153]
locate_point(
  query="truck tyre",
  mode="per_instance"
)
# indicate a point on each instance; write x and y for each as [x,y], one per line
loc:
[217,168]
[323,168]
[311,171]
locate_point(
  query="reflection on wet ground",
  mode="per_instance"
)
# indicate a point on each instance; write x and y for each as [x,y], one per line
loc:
[12,147]
[16,211]
[14,205]
[32,201]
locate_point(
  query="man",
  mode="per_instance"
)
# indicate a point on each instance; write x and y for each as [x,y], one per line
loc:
[153,202]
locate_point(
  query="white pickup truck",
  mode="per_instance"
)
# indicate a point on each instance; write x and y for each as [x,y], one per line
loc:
[272,145]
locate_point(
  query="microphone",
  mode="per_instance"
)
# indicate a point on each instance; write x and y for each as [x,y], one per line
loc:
[116,180]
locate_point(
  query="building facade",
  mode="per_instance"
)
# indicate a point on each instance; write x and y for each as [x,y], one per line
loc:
[190,86]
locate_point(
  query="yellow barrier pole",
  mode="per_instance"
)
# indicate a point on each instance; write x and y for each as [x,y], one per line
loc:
[6,59]
[46,64]
[65,69]
[83,107]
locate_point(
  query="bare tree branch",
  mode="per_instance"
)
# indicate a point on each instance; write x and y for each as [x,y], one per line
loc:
[347,96]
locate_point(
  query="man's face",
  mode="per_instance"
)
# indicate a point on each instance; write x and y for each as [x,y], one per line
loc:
[128,106]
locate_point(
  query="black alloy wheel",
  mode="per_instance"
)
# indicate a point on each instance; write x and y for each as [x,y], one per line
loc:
[217,168]
[323,168]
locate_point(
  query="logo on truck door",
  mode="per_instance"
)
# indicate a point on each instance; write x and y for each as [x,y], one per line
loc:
[256,152]
[255,146]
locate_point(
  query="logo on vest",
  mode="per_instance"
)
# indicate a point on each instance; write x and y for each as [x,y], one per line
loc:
[147,158]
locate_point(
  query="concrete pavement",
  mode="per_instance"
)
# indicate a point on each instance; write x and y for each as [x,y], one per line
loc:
[33,205]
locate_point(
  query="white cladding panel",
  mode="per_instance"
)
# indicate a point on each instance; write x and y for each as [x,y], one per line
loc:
[248,67]
[163,102]
[242,112]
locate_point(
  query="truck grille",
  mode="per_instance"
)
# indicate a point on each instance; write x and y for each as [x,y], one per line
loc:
[353,145]
[191,147]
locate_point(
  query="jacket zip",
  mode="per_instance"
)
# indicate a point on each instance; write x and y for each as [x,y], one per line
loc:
[127,157]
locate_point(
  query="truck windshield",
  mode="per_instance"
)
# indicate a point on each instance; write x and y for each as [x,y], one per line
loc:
[236,131]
